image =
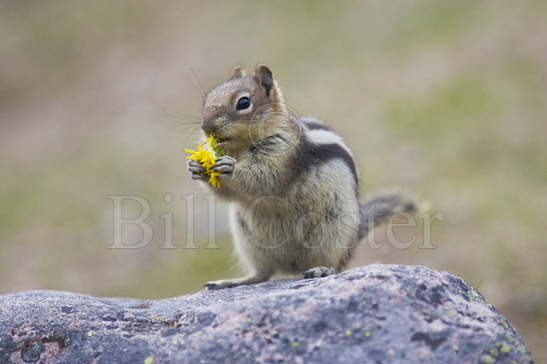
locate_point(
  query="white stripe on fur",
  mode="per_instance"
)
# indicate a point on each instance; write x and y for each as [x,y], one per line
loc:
[320,136]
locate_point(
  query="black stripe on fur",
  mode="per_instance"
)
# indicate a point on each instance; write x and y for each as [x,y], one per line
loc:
[311,154]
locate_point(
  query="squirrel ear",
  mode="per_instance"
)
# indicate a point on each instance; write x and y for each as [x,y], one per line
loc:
[238,72]
[264,77]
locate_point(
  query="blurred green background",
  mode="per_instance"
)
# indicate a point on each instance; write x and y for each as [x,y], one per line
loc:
[446,99]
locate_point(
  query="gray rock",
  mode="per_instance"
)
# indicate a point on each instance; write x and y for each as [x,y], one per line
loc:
[374,314]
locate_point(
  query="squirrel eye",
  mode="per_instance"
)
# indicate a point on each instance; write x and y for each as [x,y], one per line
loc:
[243,103]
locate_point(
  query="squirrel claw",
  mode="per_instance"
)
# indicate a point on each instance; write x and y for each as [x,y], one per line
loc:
[225,165]
[197,170]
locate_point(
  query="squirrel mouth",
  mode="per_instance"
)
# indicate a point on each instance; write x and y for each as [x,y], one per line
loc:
[222,140]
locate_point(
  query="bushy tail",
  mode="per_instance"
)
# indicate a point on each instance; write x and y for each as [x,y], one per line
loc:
[380,209]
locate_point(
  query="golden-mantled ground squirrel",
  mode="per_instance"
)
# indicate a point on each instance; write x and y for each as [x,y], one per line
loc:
[291,181]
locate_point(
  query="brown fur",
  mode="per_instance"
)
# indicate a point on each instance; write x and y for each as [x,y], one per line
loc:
[294,196]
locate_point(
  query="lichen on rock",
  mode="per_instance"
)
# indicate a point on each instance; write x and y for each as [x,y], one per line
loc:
[377,313]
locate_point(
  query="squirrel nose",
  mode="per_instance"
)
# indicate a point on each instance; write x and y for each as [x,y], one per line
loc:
[212,118]
[209,126]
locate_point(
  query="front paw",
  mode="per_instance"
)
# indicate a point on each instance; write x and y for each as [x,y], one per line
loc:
[225,165]
[197,170]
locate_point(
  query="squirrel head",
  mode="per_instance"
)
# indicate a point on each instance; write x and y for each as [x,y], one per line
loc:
[244,108]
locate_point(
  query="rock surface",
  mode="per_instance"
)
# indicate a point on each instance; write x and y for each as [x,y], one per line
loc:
[374,314]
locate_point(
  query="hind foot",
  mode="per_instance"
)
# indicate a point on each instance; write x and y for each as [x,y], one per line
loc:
[317,272]
[230,283]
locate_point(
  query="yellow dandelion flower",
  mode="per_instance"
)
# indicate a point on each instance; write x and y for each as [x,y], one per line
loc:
[207,154]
